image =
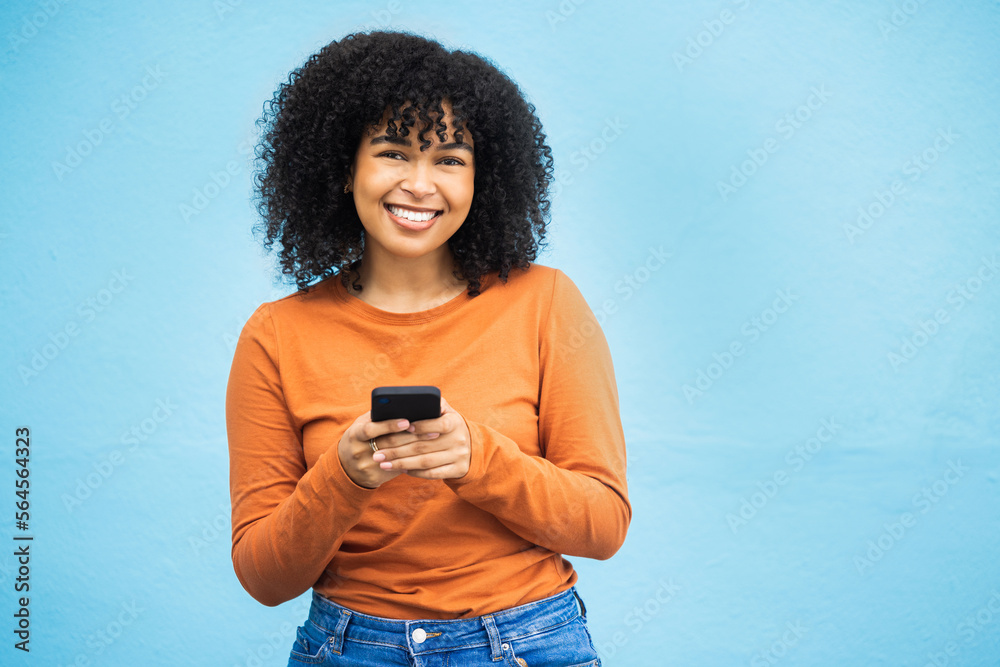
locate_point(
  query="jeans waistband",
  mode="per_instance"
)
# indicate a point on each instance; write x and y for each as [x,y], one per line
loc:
[433,635]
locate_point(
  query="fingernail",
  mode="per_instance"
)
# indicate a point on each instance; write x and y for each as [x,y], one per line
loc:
[432,435]
[385,465]
[378,456]
[402,424]
[412,428]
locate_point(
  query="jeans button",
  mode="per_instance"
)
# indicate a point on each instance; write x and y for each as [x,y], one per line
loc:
[419,635]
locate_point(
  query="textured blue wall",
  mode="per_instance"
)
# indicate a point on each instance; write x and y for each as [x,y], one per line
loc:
[785,216]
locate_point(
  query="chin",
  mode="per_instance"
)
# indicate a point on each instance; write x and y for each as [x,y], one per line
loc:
[412,252]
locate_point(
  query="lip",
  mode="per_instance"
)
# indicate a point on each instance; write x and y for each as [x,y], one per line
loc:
[410,224]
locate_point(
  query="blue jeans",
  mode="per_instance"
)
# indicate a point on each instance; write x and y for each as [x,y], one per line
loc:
[547,633]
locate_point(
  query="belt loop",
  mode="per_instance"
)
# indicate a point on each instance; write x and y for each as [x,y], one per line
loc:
[491,630]
[583,607]
[337,640]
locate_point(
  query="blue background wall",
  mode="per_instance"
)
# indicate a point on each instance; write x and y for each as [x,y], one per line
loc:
[823,177]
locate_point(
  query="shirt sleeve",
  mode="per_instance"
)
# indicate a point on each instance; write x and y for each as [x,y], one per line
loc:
[288,522]
[573,500]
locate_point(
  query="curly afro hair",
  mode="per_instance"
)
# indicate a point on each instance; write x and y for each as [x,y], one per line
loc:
[313,125]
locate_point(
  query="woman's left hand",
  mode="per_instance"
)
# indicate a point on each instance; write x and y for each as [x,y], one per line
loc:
[441,448]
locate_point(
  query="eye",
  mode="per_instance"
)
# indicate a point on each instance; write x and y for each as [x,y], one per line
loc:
[392,155]
[452,162]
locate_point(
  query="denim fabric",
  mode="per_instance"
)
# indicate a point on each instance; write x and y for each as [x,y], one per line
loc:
[547,633]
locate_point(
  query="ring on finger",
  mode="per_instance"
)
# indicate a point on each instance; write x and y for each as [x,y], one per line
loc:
[374,446]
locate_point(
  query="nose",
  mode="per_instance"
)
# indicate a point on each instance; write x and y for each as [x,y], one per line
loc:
[419,179]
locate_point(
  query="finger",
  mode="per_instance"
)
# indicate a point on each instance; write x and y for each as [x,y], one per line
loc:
[412,448]
[372,429]
[450,471]
[397,440]
[442,424]
[421,461]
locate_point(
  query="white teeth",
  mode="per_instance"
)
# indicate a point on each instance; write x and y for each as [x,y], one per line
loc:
[412,215]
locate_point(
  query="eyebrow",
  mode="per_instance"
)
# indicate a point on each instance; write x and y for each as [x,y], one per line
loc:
[403,141]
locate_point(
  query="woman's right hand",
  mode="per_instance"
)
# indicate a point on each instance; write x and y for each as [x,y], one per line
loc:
[356,452]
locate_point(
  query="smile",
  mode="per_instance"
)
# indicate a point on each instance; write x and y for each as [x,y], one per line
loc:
[410,214]
[411,219]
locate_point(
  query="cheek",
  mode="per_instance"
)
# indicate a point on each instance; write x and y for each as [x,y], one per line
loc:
[369,196]
[468,191]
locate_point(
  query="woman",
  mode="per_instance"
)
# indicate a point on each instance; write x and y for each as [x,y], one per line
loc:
[412,181]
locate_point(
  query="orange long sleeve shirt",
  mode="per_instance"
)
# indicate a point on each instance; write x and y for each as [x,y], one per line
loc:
[526,365]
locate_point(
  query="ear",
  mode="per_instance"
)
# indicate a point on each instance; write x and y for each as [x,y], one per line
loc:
[349,181]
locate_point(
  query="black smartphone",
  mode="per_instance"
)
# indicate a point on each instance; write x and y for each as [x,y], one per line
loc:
[410,403]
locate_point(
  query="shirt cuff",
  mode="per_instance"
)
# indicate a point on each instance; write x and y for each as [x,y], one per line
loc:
[350,489]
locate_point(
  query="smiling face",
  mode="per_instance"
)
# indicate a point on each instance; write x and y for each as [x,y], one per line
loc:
[410,201]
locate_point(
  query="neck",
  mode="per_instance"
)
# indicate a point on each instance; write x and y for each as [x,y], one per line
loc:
[403,284]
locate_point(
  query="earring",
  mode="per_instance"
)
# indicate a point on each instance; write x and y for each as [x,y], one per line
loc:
[347,188]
